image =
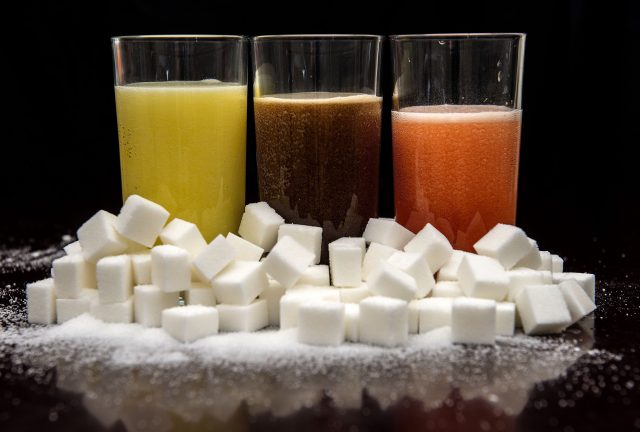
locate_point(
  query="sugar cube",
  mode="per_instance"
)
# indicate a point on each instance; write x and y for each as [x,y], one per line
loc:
[532,259]
[449,271]
[141,220]
[321,323]
[73,248]
[415,266]
[482,277]
[98,237]
[149,302]
[121,312]
[240,283]
[245,250]
[586,280]
[67,309]
[389,281]
[521,277]
[141,265]
[377,252]
[387,232]
[447,289]
[188,323]
[200,294]
[185,235]
[354,295]
[170,268]
[41,302]
[310,237]
[291,301]
[243,318]
[542,309]
[351,318]
[345,259]
[506,243]
[72,273]
[578,302]
[213,258]
[557,264]
[434,313]
[115,279]
[433,245]
[272,294]
[287,261]
[315,275]
[473,321]
[505,318]
[383,321]
[260,224]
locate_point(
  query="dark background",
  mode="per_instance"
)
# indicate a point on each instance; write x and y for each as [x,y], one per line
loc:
[578,190]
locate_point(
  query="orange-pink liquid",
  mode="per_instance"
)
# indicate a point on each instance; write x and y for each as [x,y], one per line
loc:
[456,167]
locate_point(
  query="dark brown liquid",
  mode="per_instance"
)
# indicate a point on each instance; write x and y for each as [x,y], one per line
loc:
[318,157]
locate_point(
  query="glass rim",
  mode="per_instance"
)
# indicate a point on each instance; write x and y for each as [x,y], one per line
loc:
[179,38]
[318,37]
[457,36]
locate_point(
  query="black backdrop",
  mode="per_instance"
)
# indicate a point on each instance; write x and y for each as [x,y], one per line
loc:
[578,190]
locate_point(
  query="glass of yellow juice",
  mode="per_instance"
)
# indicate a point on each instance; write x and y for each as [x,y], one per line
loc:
[181,103]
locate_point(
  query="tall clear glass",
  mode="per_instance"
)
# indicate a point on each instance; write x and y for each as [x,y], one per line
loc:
[181,103]
[456,124]
[317,108]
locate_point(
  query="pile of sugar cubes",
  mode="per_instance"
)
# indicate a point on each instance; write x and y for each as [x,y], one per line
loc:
[377,289]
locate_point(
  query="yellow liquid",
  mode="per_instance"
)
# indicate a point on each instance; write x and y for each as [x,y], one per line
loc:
[183,145]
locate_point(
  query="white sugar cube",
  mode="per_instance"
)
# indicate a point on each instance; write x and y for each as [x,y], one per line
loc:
[557,264]
[291,301]
[200,294]
[506,243]
[315,275]
[586,280]
[389,281]
[243,318]
[287,261]
[449,271]
[213,258]
[240,283]
[41,302]
[245,250]
[387,232]
[547,261]
[447,289]
[377,252]
[521,277]
[73,248]
[434,313]
[383,321]
[482,277]
[310,237]
[578,302]
[272,294]
[473,321]
[185,235]
[433,245]
[354,295]
[260,224]
[542,309]
[532,259]
[415,266]
[98,237]
[188,323]
[71,274]
[505,318]
[170,268]
[141,265]
[345,259]
[121,312]
[141,220]
[321,323]
[67,309]
[115,279]
[351,318]
[149,302]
